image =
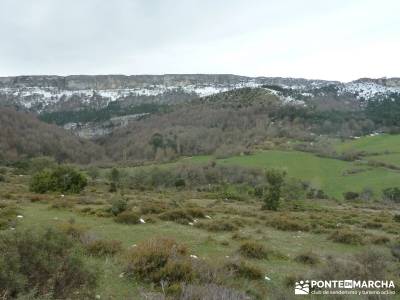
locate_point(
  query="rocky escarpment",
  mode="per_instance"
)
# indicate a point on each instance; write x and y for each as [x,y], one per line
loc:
[57,93]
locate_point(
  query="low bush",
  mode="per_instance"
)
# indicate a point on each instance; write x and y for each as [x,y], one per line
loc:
[351,195]
[8,214]
[378,240]
[103,247]
[372,225]
[371,264]
[392,194]
[45,264]
[243,269]
[346,236]
[153,208]
[395,249]
[72,230]
[61,179]
[159,259]
[127,217]
[285,223]
[218,225]
[252,249]
[396,218]
[308,258]
[118,205]
[182,216]
[61,204]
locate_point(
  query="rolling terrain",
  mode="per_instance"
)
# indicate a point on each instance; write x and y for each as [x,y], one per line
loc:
[236,190]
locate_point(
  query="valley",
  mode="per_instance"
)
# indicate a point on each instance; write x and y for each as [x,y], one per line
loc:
[239,188]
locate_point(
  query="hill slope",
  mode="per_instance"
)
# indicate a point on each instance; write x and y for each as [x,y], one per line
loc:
[22,135]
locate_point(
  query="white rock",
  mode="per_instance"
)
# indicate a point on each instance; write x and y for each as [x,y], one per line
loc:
[20,216]
[267,278]
[98,297]
[142,221]
[121,275]
[193,256]
[208,217]
[12,228]
[62,195]
[134,245]
[195,220]
[190,223]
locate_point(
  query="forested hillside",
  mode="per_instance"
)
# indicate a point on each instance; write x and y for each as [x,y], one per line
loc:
[229,123]
[22,135]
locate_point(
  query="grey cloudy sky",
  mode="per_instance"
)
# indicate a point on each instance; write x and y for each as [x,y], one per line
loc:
[341,39]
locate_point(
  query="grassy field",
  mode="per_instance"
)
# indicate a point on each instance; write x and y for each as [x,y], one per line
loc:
[372,144]
[324,173]
[300,239]
[298,232]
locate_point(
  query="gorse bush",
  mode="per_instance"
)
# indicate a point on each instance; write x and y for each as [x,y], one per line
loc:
[182,216]
[60,179]
[45,263]
[346,236]
[392,194]
[241,268]
[308,258]
[103,247]
[159,259]
[252,249]
[127,217]
[118,205]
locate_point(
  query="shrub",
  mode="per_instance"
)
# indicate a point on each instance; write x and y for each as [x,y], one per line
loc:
[7,217]
[346,236]
[286,224]
[159,259]
[2,178]
[182,216]
[243,269]
[72,230]
[153,208]
[127,217]
[308,258]
[351,195]
[61,179]
[113,187]
[275,181]
[379,239]
[219,225]
[61,204]
[371,264]
[103,247]
[180,183]
[118,206]
[395,249]
[392,194]
[396,218]
[251,249]
[372,225]
[47,263]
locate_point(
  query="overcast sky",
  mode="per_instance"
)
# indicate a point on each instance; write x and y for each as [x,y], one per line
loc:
[340,39]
